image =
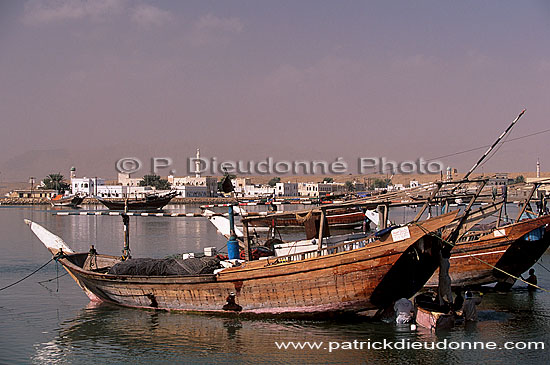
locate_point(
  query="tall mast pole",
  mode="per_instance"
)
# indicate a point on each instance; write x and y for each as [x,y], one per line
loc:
[494,145]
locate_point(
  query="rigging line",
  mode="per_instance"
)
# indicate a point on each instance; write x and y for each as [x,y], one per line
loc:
[383,171]
[32,273]
[543,266]
[495,151]
[486,146]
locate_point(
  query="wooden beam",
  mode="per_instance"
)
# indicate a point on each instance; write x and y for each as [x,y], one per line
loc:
[535,187]
[246,242]
[322,224]
[428,202]
[382,216]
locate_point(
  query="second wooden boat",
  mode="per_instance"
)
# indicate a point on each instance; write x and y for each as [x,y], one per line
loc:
[476,254]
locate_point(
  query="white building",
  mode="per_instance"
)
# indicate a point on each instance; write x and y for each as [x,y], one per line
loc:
[338,188]
[112,191]
[86,185]
[286,189]
[141,191]
[396,187]
[209,182]
[498,179]
[308,189]
[258,190]
[315,190]
[192,191]
[125,180]
[239,185]
[121,191]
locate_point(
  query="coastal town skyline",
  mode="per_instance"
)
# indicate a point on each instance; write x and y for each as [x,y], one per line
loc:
[88,83]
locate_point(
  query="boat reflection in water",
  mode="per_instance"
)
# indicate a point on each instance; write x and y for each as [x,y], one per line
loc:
[107,333]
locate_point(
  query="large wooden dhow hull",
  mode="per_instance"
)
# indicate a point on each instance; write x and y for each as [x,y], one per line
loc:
[472,262]
[520,256]
[346,278]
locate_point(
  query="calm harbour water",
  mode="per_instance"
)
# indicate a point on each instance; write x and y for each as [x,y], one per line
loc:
[54,322]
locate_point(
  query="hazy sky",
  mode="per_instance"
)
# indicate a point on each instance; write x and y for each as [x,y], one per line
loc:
[87,82]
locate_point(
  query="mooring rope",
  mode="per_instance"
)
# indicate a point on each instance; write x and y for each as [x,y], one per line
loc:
[52,279]
[28,276]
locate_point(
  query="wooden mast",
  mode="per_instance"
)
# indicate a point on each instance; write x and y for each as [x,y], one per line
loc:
[126,221]
[322,224]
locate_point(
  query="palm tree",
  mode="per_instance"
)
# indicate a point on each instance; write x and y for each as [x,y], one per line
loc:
[55,181]
[155,181]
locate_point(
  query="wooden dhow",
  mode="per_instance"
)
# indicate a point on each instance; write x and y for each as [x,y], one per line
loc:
[485,257]
[355,276]
[149,202]
[71,201]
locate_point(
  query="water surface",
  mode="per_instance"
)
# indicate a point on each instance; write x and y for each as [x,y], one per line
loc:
[53,322]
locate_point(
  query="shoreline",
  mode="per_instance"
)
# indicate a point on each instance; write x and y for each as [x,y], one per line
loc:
[93,201]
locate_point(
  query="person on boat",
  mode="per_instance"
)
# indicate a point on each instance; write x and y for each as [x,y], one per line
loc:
[459,300]
[469,309]
[444,293]
[404,311]
[532,279]
[231,305]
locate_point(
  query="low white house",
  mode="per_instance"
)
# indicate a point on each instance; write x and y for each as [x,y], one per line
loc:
[112,191]
[192,191]
[211,183]
[315,190]
[308,189]
[396,187]
[258,190]
[286,189]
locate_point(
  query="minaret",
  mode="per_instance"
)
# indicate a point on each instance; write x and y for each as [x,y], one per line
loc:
[73,172]
[538,169]
[198,164]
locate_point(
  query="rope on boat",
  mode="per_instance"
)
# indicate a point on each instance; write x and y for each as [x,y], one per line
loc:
[515,277]
[28,276]
[543,266]
[480,260]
